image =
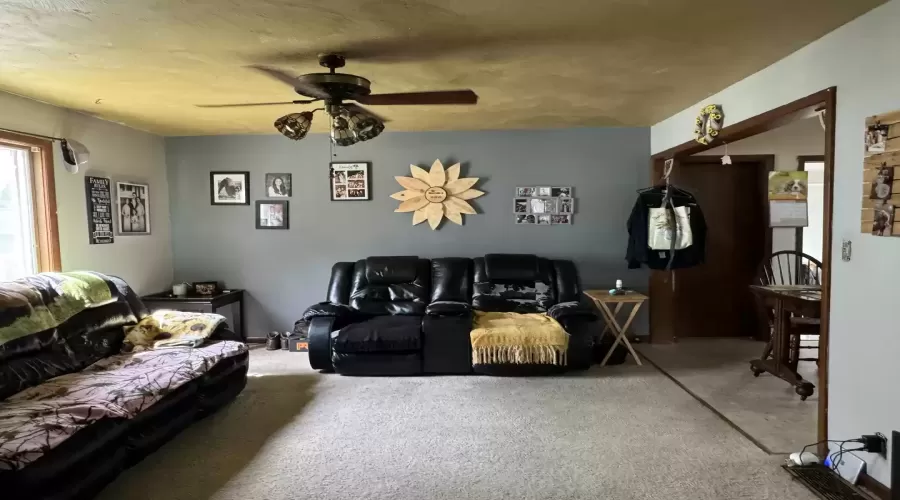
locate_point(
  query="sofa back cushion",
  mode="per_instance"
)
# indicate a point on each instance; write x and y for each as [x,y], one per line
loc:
[451,280]
[82,339]
[391,285]
[513,283]
[339,284]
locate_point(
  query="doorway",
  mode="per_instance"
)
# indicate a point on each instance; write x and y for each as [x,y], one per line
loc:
[667,296]
[738,238]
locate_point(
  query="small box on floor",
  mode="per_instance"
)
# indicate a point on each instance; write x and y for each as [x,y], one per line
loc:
[298,343]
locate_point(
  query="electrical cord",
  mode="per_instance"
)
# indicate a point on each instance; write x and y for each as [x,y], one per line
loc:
[841,441]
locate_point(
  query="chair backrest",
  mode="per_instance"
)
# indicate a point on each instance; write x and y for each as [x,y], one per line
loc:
[790,267]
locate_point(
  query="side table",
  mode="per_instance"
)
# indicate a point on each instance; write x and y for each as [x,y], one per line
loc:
[228,303]
[602,298]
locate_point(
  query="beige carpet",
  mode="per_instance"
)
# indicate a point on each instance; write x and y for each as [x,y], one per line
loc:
[718,372]
[619,433]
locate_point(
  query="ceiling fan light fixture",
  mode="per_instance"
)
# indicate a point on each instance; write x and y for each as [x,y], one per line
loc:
[295,125]
[364,125]
[341,133]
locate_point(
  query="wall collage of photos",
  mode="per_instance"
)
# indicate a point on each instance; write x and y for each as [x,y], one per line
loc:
[881,175]
[544,205]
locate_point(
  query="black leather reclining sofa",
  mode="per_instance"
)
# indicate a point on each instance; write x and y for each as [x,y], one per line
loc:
[409,316]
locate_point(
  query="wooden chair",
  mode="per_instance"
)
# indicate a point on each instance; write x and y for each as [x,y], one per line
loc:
[789,267]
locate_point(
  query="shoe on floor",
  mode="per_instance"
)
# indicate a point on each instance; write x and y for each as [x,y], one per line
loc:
[285,341]
[273,341]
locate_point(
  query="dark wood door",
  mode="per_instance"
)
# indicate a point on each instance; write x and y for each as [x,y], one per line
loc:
[714,299]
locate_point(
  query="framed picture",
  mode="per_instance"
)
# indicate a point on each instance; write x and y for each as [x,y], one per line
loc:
[561,192]
[525,192]
[561,219]
[349,181]
[229,188]
[565,205]
[543,191]
[278,185]
[524,219]
[520,205]
[543,220]
[133,204]
[272,214]
[543,205]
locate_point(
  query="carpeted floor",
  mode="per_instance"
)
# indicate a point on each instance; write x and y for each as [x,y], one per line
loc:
[621,433]
[765,407]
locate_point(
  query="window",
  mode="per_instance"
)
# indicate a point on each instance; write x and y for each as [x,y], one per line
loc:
[812,234]
[29,241]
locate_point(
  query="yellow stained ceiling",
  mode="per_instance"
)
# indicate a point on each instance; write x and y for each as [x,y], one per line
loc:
[534,64]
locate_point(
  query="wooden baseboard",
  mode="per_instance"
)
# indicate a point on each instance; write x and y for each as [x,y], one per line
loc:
[874,487]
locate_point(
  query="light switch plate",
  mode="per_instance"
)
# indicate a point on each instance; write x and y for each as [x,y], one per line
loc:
[845,250]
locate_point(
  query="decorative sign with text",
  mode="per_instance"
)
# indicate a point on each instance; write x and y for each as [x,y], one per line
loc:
[99,209]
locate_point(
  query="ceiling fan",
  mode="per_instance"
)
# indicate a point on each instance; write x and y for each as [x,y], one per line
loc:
[350,122]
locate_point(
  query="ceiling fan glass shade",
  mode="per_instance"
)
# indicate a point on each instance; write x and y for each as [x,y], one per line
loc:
[341,133]
[365,126]
[295,125]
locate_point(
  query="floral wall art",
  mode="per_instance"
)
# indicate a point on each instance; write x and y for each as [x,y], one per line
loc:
[435,194]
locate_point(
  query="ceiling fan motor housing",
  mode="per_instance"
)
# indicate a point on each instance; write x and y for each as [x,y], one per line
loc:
[338,85]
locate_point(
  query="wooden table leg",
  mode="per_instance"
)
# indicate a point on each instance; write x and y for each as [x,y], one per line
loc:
[619,331]
[780,363]
[606,323]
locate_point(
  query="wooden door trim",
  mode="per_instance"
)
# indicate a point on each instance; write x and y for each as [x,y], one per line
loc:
[758,124]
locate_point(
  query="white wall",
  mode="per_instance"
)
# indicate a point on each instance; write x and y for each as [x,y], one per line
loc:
[797,138]
[119,153]
[859,58]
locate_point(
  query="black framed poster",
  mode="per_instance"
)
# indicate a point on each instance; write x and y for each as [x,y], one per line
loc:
[97,192]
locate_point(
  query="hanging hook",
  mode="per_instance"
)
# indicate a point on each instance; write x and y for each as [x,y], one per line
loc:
[667,171]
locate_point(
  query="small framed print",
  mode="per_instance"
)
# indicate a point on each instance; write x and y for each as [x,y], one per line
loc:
[525,192]
[543,191]
[272,214]
[525,219]
[561,219]
[229,188]
[543,205]
[349,181]
[278,185]
[561,192]
[521,205]
[133,202]
[543,220]
[565,205]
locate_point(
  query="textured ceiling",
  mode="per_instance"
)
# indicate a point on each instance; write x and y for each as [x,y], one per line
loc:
[533,63]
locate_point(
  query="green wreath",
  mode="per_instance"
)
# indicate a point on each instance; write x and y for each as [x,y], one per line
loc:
[708,124]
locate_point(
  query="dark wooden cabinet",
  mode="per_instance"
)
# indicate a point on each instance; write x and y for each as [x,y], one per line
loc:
[228,303]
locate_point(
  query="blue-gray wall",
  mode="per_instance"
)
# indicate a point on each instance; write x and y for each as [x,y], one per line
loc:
[285,271]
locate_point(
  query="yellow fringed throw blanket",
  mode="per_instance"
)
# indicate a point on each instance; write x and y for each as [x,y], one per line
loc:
[505,337]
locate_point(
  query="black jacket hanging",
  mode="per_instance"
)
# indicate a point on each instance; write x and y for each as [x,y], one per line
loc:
[639,251]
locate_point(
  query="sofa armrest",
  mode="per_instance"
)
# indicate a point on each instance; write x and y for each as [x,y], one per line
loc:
[320,329]
[329,310]
[448,308]
[569,310]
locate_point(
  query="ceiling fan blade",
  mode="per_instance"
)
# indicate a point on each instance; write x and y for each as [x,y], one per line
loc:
[428,46]
[295,83]
[363,110]
[248,104]
[437,97]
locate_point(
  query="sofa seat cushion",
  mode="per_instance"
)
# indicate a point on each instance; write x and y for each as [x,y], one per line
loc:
[380,334]
[38,419]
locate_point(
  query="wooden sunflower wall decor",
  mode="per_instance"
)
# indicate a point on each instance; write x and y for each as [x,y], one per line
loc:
[433,195]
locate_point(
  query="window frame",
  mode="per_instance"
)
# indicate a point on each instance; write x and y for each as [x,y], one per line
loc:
[43,197]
